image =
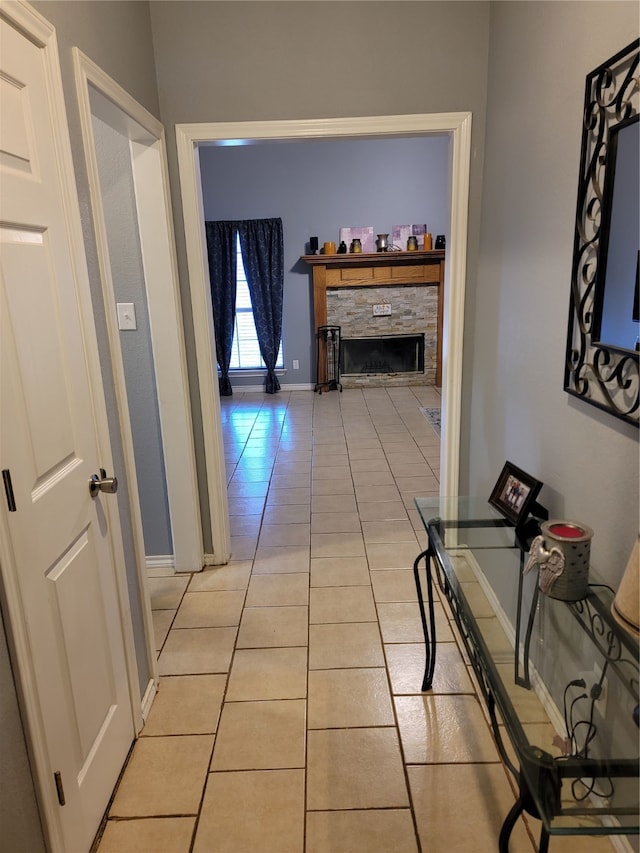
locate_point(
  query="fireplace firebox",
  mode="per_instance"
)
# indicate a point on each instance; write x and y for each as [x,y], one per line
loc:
[389,354]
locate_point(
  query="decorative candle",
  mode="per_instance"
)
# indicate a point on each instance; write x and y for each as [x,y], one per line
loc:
[566,531]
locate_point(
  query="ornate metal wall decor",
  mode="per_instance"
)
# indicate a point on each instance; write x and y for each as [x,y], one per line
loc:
[603,374]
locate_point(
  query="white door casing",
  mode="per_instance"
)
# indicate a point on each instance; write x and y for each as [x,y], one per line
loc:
[59,552]
[190,136]
[150,173]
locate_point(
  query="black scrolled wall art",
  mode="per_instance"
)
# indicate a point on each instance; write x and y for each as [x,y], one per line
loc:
[598,369]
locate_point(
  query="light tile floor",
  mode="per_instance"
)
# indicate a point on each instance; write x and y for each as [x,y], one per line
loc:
[289,717]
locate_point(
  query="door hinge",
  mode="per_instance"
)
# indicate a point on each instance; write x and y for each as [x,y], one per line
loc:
[8,489]
[58,777]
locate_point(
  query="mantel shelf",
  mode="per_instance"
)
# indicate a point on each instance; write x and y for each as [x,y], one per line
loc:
[371,259]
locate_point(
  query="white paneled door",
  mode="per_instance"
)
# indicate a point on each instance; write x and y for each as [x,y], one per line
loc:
[58,565]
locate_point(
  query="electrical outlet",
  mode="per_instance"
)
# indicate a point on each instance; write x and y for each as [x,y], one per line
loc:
[296,364]
[596,688]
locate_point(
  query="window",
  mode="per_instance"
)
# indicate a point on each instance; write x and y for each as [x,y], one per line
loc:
[245,353]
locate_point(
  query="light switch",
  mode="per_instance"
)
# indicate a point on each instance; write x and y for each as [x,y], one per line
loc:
[126,315]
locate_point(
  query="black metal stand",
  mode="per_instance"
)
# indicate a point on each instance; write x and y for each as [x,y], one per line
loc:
[328,359]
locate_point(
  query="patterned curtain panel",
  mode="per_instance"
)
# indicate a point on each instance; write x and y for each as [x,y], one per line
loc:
[221,250]
[261,244]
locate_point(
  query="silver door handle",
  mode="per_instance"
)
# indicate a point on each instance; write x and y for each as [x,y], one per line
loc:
[102,483]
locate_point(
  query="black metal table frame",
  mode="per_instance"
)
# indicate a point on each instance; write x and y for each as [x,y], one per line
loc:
[538,770]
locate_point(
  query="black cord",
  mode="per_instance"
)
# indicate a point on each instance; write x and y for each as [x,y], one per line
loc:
[573,741]
[588,787]
[579,682]
[604,586]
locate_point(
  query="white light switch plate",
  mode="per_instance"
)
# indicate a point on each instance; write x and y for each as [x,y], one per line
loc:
[382,309]
[126,315]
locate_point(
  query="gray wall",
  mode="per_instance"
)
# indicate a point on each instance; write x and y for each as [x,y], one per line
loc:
[540,55]
[317,187]
[257,61]
[117,37]
[19,818]
[125,255]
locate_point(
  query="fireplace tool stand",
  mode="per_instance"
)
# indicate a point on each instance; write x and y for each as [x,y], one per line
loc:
[328,359]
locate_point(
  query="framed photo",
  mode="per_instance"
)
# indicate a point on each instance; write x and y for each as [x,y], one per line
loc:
[400,234]
[514,493]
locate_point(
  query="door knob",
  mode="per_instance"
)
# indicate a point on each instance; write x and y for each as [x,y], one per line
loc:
[102,483]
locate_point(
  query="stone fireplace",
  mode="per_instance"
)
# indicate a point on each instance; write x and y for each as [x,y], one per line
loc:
[413,313]
[381,298]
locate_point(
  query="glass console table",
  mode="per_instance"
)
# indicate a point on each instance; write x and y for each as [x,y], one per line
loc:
[560,679]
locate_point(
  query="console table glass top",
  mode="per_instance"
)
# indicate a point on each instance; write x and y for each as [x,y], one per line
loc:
[562,676]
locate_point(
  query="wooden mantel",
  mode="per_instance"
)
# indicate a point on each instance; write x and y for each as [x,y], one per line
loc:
[379,269]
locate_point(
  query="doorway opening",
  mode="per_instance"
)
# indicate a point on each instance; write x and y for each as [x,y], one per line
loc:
[189,137]
[127,170]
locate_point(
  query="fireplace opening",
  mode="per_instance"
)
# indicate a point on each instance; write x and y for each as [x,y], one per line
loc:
[385,354]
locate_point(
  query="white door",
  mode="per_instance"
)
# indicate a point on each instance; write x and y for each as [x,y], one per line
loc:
[60,560]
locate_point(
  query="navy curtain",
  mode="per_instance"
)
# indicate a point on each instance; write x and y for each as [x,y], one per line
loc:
[262,250]
[221,251]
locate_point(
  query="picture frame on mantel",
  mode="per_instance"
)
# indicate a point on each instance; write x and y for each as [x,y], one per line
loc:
[362,233]
[515,493]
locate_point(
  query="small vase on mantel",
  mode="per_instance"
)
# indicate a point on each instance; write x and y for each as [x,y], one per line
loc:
[382,243]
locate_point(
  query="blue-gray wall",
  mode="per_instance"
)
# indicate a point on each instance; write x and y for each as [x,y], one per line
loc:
[118,195]
[317,187]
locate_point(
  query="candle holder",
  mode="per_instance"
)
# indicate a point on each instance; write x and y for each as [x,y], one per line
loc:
[573,540]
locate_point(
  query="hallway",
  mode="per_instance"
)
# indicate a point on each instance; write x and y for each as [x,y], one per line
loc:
[289,717]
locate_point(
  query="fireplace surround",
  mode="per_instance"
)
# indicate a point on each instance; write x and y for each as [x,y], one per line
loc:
[383,295]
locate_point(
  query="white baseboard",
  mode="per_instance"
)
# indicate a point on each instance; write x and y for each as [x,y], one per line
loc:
[257,389]
[160,565]
[212,560]
[147,699]
[301,386]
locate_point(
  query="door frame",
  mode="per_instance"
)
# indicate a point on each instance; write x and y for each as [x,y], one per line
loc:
[43,35]
[153,207]
[189,136]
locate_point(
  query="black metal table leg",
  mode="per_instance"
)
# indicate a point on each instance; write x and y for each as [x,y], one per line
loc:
[543,847]
[429,629]
[509,822]
[524,803]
